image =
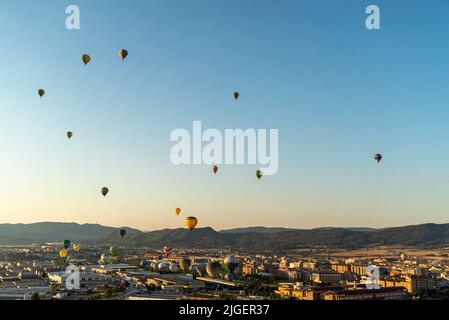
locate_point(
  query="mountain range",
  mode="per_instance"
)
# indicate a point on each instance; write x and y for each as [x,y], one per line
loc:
[254,238]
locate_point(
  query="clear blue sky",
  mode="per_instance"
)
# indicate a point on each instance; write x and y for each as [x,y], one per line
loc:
[336,91]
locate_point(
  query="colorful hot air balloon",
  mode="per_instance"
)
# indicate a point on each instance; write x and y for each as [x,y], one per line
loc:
[41,92]
[122,232]
[191,223]
[167,250]
[69,134]
[236,95]
[104,191]
[66,244]
[113,251]
[231,263]
[63,253]
[201,269]
[86,59]
[178,211]
[378,157]
[259,174]
[123,54]
[215,169]
[214,269]
[76,247]
[185,264]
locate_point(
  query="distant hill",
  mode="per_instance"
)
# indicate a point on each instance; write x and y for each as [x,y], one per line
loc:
[54,231]
[256,230]
[257,238]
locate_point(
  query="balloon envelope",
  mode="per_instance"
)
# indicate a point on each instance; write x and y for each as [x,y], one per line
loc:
[41,92]
[213,269]
[259,174]
[66,244]
[231,263]
[215,169]
[122,232]
[178,211]
[201,269]
[85,58]
[191,223]
[185,264]
[236,95]
[378,157]
[123,54]
[104,191]
[63,253]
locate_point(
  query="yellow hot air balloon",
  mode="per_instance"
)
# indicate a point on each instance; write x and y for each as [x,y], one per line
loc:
[76,247]
[86,59]
[41,92]
[259,174]
[63,253]
[178,211]
[123,54]
[191,223]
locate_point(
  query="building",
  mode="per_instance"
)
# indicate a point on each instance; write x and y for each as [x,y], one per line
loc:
[392,293]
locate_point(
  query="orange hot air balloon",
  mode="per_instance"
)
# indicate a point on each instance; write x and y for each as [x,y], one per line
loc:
[215,169]
[191,223]
[178,211]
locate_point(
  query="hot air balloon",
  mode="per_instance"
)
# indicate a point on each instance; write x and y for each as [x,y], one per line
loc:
[201,269]
[154,265]
[105,258]
[167,250]
[378,157]
[113,251]
[69,134]
[86,59]
[236,95]
[122,232]
[144,264]
[63,253]
[215,169]
[76,247]
[174,267]
[214,269]
[123,54]
[259,174]
[231,263]
[66,244]
[185,264]
[178,211]
[163,267]
[104,191]
[191,223]
[41,92]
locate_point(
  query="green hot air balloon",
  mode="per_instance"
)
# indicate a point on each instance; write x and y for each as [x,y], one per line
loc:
[69,134]
[41,92]
[113,251]
[66,244]
[259,174]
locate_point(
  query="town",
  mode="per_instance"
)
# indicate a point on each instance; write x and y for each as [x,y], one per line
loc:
[33,273]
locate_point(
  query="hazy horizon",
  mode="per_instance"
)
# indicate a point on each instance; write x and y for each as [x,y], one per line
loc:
[337,92]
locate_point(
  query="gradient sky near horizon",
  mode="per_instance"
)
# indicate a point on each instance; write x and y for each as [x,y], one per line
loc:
[337,92]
